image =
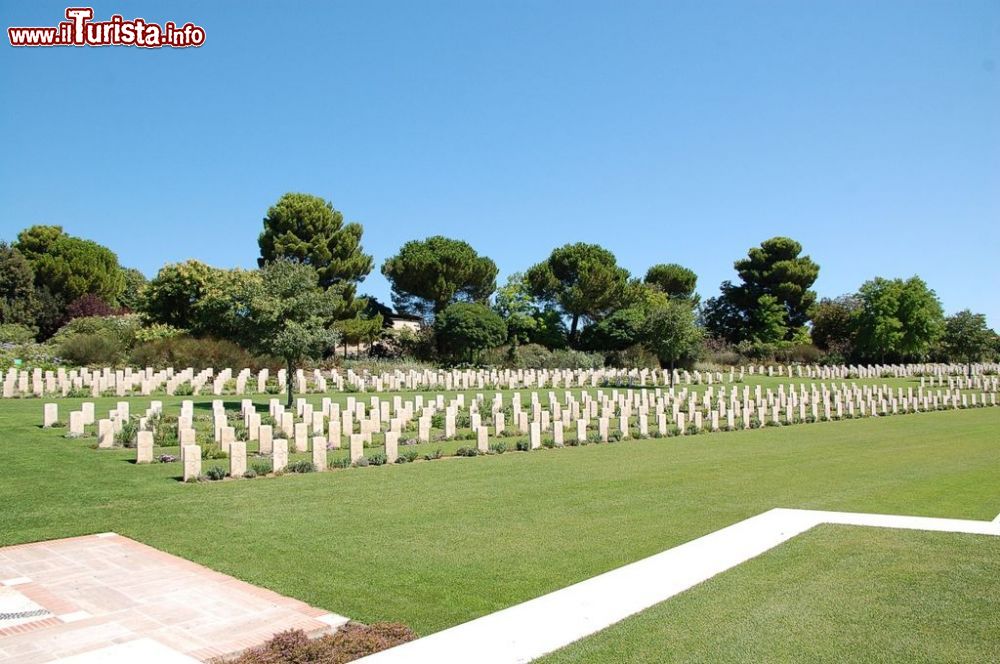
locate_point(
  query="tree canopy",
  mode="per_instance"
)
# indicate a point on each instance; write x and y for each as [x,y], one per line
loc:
[583,280]
[17,287]
[428,275]
[772,274]
[69,267]
[967,337]
[466,328]
[676,281]
[897,320]
[307,229]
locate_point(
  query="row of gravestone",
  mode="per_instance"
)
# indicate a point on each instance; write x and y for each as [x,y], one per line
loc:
[647,411]
[19,383]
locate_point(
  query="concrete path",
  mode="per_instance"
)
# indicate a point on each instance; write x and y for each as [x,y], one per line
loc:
[526,631]
[106,598]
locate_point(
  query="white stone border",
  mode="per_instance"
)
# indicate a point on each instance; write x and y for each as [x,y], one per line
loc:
[529,630]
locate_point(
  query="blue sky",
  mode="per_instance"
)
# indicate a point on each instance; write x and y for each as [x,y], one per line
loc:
[667,131]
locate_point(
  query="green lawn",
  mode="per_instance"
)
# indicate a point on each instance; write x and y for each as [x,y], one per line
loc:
[437,543]
[833,594]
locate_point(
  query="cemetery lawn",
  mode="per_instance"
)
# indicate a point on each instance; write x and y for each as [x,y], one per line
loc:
[833,594]
[433,544]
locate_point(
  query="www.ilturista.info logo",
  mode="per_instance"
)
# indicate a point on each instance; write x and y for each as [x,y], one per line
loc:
[81,30]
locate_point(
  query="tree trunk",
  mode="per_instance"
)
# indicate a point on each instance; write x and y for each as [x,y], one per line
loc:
[288,383]
[572,329]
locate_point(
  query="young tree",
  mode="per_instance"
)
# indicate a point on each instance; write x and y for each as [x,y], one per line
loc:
[774,269]
[70,266]
[583,280]
[289,315]
[677,281]
[967,338]
[428,275]
[672,333]
[307,229]
[464,329]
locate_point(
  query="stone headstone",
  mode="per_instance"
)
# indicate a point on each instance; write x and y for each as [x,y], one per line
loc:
[279,454]
[144,447]
[391,446]
[50,415]
[319,453]
[237,458]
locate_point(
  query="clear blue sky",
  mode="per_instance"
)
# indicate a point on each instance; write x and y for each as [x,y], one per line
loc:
[667,131]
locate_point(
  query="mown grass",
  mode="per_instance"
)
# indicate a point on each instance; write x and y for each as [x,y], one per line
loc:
[833,594]
[436,543]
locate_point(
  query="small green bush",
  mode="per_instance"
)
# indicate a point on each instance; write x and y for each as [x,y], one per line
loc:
[407,456]
[261,466]
[436,454]
[498,447]
[467,452]
[340,462]
[126,437]
[302,466]
[92,350]
[215,473]
[522,446]
[377,459]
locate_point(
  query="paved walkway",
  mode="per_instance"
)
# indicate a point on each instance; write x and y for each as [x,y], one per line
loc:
[526,631]
[106,598]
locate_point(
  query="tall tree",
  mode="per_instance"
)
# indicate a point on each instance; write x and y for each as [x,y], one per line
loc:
[289,315]
[677,281]
[774,269]
[17,287]
[69,266]
[428,275]
[967,338]
[307,229]
[583,280]
[897,320]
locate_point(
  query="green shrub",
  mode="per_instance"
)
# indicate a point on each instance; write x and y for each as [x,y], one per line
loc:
[498,447]
[261,466]
[215,473]
[436,454]
[92,350]
[467,451]
[301,466]
[548,443]
[377,459]
[340,462]
[119,329]
[407,456]
[126,437]
[522,446]
[13,333]
[362,462]
[186,351]
[213,452]
[249,474]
